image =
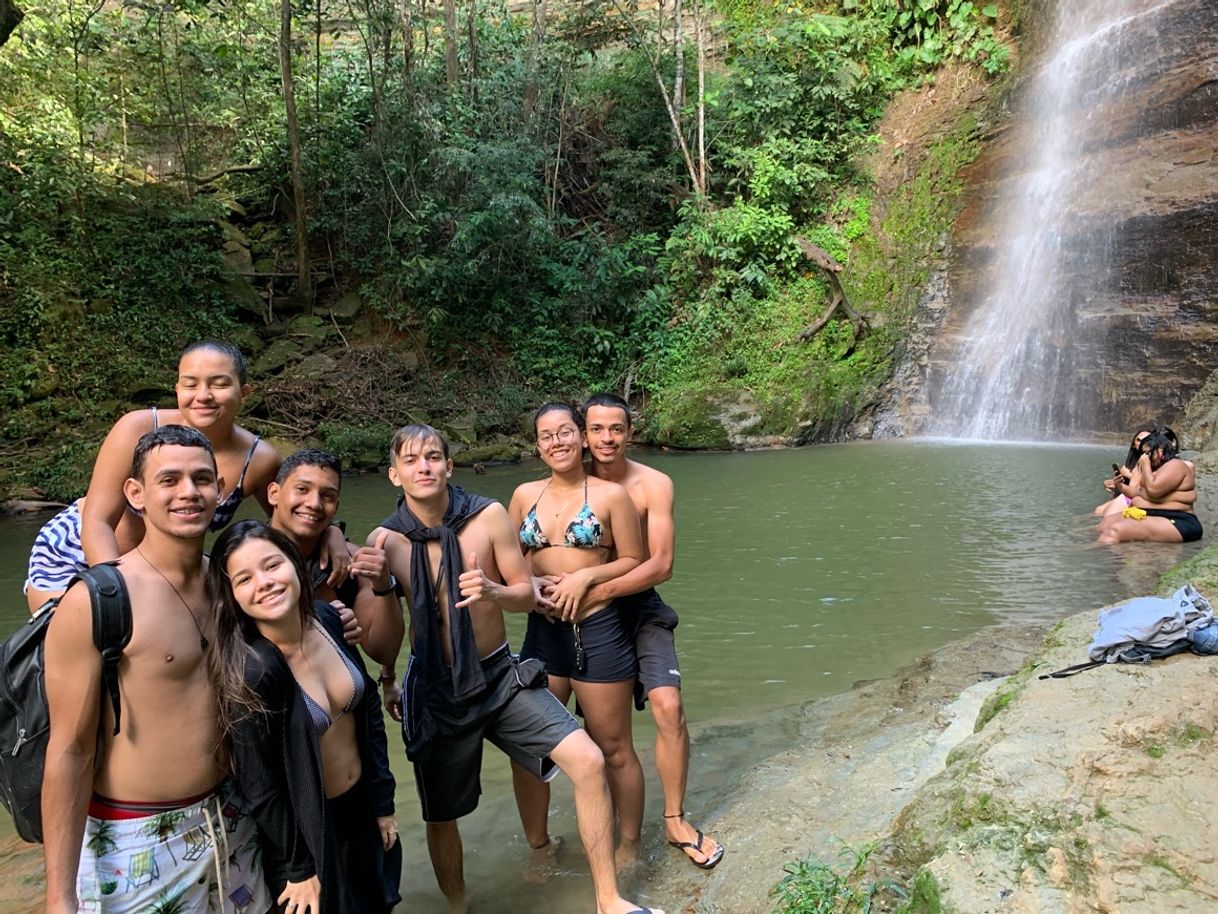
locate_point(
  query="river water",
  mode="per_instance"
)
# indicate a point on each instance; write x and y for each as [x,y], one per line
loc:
[799,573]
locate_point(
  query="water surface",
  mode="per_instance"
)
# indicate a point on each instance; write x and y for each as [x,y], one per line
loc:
[798,574]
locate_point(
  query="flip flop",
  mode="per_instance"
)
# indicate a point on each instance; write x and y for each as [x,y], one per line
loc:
[710,863]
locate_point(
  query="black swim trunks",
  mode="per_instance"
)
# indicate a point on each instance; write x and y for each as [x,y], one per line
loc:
[651,622]
[1185,522]
[608,651]
[516,712]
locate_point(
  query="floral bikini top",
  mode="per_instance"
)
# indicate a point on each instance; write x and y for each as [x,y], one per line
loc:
[584,531]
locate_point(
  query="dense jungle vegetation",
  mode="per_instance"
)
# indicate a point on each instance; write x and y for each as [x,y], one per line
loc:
[449,211]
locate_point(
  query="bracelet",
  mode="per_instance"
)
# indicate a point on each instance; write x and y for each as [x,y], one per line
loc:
[385,677]
[393,586]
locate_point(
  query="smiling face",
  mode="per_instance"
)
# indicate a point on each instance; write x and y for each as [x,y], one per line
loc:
[608,431]
[176,491]
[305,502]
[209,389]
[559,440]
[420,468]
[264,582]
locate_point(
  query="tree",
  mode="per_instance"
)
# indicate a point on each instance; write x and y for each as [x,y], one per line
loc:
[303,273]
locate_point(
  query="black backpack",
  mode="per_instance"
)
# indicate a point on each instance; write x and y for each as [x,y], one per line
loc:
[24,720]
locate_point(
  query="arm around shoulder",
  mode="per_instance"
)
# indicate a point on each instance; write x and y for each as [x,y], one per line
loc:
[105,501]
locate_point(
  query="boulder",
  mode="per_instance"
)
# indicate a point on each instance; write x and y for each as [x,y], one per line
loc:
[281,353]
[308,330]
[499,452]
[347,308]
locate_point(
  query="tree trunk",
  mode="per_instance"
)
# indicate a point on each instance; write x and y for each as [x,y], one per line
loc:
[701,100]
[304,278]
[837,299]
[450,42]
[533,88]
[473,49]
[10,17]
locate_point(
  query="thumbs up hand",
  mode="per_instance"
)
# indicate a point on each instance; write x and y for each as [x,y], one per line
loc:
[474,583]
[371,562]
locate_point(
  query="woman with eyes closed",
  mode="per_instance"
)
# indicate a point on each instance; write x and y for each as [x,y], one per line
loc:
[100,527]
[577,531]
[304,730]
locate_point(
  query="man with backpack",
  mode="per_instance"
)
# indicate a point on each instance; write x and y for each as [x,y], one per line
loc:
[136,814]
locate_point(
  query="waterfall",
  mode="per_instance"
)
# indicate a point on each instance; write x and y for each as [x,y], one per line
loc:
[1016,371]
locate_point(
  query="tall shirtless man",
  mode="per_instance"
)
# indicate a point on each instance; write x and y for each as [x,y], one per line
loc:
[458,555]
[143,818]
[608,427]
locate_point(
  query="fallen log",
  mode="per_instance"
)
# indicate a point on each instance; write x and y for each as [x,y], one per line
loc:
[837,298]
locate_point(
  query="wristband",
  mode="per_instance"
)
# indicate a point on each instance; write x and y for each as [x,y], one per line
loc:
[387,676]
[393,586]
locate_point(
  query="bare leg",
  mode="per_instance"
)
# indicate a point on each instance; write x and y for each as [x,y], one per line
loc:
[584,764]
[1148,529]
[447,855]
[533,795]
[607,707]
[672,764]
[35,597]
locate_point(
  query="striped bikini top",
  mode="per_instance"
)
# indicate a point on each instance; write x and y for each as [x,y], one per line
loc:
[319,716]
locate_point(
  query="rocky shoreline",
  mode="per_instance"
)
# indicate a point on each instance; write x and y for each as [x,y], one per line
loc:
[988,793]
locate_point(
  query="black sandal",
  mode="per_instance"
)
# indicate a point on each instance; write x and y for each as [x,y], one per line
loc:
[711,861]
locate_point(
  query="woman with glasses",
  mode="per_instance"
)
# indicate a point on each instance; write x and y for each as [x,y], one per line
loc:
[577,531]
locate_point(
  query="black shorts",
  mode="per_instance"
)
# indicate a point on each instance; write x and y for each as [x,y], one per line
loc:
[651,622]
[608,652]
[516,712]
[1185,522]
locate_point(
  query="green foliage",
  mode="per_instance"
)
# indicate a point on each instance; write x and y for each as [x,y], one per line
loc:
[812,886]
[925,33]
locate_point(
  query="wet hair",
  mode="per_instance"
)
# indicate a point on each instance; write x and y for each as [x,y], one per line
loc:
[554,406]
[1160,440]
[1135,450]
[231,654]
[612,401]
[181,435]
[1171,436]
[408,434]
[310,457]
[226,349]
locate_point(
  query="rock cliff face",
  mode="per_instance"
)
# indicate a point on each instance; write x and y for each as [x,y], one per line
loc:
[1140,331]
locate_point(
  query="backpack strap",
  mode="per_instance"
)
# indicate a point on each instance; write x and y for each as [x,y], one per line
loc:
[1072,670]
[111,624]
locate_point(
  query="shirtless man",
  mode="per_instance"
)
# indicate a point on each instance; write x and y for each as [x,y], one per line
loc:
[608,427]
[464,567]
[1163,490]
[304,501]
[125,814]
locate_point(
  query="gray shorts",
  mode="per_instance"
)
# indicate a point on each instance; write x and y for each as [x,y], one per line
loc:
[516,712]
[651,621]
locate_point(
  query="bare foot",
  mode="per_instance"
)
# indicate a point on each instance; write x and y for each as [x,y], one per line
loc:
[702,849]
[459,905]
[543,861]
[625,857]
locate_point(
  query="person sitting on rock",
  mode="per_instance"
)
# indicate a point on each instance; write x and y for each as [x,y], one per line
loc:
[1163,491]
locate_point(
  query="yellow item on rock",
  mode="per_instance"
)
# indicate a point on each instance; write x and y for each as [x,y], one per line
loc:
[1133,513]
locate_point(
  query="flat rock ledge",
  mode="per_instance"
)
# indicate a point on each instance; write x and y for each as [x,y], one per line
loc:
[987,796]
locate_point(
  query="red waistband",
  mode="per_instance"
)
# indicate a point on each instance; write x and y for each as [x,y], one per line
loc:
[114,810]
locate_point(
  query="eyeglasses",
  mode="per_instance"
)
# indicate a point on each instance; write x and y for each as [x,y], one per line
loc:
[564,435]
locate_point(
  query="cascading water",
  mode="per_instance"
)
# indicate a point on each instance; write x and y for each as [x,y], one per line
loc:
[1015,372]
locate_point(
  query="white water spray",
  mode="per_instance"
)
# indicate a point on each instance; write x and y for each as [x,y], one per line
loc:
[1014,374]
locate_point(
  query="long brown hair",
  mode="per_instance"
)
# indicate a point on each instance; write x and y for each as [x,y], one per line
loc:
[235,632]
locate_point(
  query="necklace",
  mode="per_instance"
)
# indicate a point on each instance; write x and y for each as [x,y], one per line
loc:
[203,642]
[559,510]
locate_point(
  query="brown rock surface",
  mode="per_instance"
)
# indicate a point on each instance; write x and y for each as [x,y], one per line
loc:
[1145,335]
